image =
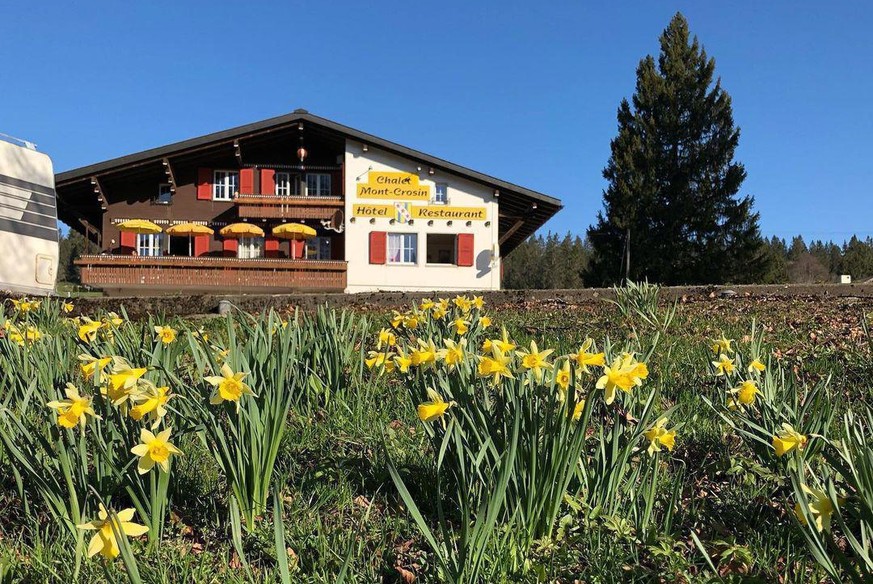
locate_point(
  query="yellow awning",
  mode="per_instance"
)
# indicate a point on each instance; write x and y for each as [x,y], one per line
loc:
[241,230]
[189,229]
[141,226]
[296,231]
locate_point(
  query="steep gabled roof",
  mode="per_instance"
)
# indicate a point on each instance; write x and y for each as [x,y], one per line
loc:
[522,210]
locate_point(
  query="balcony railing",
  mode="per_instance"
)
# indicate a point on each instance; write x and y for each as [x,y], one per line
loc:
[286,207]
[141,274]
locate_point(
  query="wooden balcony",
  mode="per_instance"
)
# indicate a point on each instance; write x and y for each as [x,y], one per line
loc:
[280,207]
[133,275]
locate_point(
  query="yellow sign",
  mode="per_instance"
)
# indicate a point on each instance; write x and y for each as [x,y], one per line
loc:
[443,212]
[393,185]
[359,210]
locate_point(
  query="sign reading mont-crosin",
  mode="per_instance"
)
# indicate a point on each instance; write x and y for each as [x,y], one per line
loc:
[401,186]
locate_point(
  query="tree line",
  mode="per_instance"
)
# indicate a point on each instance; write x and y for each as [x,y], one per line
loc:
[552,261]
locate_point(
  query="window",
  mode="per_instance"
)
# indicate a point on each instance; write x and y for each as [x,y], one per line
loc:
[165,195]
[225,185]
[318,248]
[150,244]
[317,185]
[441,248]
[287,184]
[250,248]
[441,193]
[402,248]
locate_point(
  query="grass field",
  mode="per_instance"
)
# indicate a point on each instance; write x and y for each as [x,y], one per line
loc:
[310,449]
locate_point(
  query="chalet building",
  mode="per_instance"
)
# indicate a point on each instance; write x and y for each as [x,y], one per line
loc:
[294,203]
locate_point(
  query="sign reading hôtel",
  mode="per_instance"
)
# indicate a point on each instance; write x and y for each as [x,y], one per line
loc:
[402,186]
[393,185]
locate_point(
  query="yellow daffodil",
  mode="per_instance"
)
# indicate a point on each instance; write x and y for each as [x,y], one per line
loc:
[658,436]
[229,386]
[485,322]
[788,439]
[453,354]
[411,321]
[375,360]
[438,313]
[113,319]
[722,345]
[624,373]
[723,366]
[584,358]
[396,319]
[426,304]
[821,508]
[104,541]
[386,338]
[154,450]
[461,326]
[92,365]
[503,343]
[577,410]
[463,303]
[434,409]
[745,393]
[201,335]
[402,362]
[67,307]
[73,410]
[535,360]
[123,379]
[25,305]
[478,302]
[88,330]
[496,366]
[166,334]
[424,355]
[151,402]
[756,367]
[563,377]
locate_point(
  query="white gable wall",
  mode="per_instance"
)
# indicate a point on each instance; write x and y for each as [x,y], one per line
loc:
[364,276]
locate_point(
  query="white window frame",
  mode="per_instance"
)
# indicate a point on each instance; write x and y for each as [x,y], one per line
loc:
[444,200]
[150,244]
[405,246]
[318,248]
[287,184]
[223,188]
[164,188]
[250,248]
[321,189]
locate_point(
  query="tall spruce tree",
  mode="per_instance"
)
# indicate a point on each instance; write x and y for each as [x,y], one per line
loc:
[671,211]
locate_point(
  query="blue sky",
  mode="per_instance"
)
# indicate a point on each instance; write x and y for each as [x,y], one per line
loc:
[526,91]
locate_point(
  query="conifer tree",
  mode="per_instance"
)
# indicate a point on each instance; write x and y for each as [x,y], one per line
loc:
[671,211]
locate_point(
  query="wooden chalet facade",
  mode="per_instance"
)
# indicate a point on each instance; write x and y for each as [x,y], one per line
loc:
[385,217]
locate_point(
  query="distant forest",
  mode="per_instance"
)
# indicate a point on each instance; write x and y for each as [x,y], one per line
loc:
[552,261]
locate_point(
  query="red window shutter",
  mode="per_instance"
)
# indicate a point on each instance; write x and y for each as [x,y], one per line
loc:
[271,247]
[268,181]
[204,184]
[128,241]
[247,181]
[378,247]
[465,249]
[201,245]
[230,247]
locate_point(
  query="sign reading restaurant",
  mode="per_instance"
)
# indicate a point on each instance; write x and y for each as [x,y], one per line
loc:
[402,186]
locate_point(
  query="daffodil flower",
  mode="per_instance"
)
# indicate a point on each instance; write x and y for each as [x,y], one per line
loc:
[463,303]
[745,392]
[229,386]
[453,354]
[375,360]
[461,326]
[88,330]
[67,307]
[426,304]
[424,355]
[166,334]
[563,377]
[658,436]
[154,450]
[104,541]
[502,343]
[788,439]
[387,338]
[496,366]
[434,409]
[722,345]
[478,302]
[584,358]
[92,367]
[151,402]
[624,373]
[485,322]
[535,360]
[402,362]
[577,410]
[821,508]
[723,366]
[756,367]
[73,410]
[123,378]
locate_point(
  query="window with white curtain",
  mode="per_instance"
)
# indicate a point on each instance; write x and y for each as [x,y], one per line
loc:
[402,248]
[225,185]
[287,184]
[250,248]
[150,244]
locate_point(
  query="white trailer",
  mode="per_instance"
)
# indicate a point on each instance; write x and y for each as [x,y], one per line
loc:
[28,219]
